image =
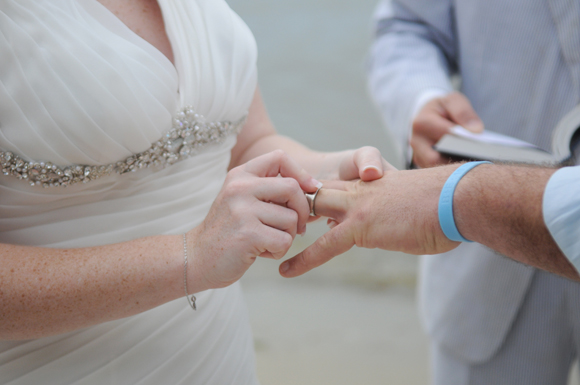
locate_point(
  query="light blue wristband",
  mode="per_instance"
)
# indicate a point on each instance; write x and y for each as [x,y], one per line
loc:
[446,219]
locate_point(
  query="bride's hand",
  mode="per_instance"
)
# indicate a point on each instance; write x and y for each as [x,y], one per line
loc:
[255,214]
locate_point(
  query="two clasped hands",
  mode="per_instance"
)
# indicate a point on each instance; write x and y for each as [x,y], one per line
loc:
[391,209]
[397,211]
[367,201]
[369,204]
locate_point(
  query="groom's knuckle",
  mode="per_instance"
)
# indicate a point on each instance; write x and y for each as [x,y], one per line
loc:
[362,214]
[302,262]
[324,243]
[357,189]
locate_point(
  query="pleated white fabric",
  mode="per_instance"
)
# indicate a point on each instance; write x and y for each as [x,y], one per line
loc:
[79,87]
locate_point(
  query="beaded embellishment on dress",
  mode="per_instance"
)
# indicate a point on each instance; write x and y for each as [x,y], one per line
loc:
[189,133]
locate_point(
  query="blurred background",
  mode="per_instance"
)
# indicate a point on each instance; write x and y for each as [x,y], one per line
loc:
[353,320]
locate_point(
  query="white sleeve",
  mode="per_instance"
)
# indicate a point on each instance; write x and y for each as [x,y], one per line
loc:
[423,98]
[412,56]
[561,209]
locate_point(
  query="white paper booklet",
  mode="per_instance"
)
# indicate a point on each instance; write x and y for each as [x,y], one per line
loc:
[463,144]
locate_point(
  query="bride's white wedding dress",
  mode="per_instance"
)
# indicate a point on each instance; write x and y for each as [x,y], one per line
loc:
[78,87]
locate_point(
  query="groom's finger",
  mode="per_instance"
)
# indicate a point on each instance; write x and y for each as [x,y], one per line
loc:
[331,203]
[337,241]
[337,184]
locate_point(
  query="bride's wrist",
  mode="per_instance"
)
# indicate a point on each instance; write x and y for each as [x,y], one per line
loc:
[193,276]
[331,164]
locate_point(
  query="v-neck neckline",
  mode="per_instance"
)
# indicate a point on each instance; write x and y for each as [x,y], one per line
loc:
[168,62]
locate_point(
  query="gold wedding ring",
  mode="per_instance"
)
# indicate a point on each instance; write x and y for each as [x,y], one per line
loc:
[311,198]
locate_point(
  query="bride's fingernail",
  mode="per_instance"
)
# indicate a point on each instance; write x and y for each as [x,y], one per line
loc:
[371,166]
[316,183]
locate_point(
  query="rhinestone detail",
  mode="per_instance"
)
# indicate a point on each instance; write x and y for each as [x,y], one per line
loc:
[189,134]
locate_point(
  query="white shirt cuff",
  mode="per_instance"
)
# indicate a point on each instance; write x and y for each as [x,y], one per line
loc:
[561,209]
[425,97]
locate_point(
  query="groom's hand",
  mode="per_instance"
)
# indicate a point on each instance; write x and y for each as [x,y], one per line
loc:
[397,212]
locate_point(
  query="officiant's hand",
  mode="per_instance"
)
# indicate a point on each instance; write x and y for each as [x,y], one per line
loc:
[397,212]
[434,120]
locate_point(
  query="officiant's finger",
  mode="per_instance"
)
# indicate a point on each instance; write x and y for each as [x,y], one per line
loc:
[337,241]
[461,112]
[279,163]
[424,155]
[431,126]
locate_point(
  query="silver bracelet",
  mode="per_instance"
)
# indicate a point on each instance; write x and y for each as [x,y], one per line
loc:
[190,301]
